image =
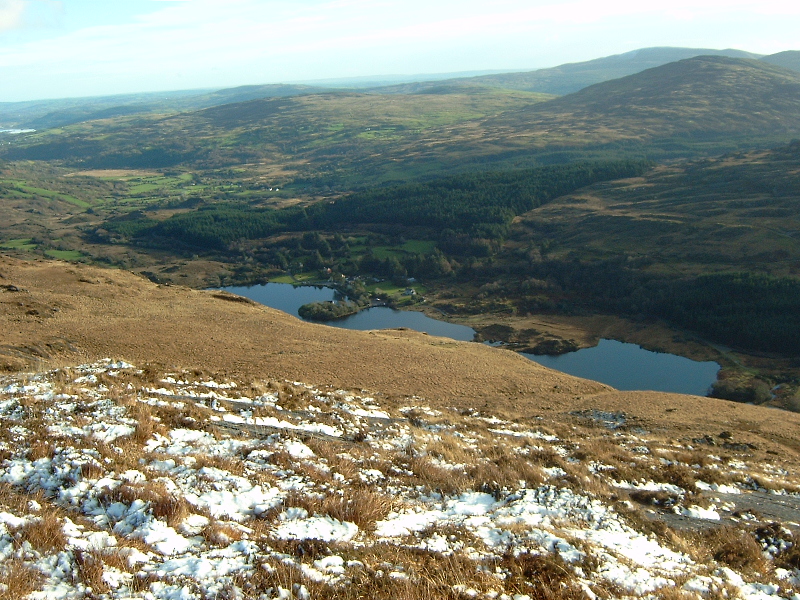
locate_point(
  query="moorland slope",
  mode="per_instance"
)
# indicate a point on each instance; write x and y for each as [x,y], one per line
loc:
[55,313]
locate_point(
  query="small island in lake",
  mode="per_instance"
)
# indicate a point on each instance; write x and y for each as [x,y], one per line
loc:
[330,310]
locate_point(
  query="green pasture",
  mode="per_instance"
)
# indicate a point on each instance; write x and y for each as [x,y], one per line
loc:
[25,244]
[72,255]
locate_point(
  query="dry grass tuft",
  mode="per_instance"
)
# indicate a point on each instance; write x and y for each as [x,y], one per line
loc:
[92,470]
[732,546]
[504,471]
[18,580]
[146,426]
[16,502]
[90,570]
[223,463]
[152,373]
[283,460]
[45,534]
[437,478]
[678,475]
[163,504]
[674,593]
[186,416]
[451,449]
[41,449]
[428,575]
[541,576]
[221,534]
[545,457]
[293,398]
[347,468]
[359,506]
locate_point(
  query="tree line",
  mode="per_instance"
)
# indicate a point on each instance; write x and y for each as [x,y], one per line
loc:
[461,212]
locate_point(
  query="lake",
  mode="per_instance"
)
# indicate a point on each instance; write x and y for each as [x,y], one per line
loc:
[620,365]
[631,367]
[289,299]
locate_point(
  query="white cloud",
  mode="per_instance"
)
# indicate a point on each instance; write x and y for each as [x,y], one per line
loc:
[11,14]
[25,14]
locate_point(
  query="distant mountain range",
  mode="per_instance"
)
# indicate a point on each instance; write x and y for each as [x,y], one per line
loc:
[705,105]
[569,78]
[561,80]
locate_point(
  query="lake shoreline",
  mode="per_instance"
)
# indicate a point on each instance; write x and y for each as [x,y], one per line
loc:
[683,375]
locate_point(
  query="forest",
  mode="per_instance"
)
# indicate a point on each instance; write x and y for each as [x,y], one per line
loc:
[480,205]
[741,309]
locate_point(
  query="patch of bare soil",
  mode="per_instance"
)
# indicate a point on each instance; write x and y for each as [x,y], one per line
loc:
[55,313]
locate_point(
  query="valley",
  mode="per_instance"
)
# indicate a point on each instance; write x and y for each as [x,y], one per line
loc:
[166,439]
[627,209]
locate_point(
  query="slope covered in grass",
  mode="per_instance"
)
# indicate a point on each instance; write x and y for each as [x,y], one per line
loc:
[121,483]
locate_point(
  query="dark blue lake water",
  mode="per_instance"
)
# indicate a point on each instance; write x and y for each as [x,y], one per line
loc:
[289,299]
[620,365]
[631,367]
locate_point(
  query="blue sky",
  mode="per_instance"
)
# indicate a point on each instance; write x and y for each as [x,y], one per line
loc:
[63,48]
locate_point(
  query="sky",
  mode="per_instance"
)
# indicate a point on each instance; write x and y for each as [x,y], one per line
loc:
[73,48]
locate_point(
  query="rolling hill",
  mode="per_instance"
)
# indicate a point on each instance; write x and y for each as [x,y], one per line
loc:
[560,80]
[703,105]
[569,78]
[46,114]
[788,60]
[699,99]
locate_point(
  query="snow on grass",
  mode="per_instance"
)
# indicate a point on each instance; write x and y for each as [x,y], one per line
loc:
[197,487]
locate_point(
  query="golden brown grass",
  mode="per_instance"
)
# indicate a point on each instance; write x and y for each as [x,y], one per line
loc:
[216,461]
[359,506]
[18,579]
[356,505]
[187,415]
[15,500]
[146,426]
[731,546]
[221,534]
[541,576]
[291,397]
[41,449]
[46,533]
[90,570]
[435,477]
[163,503]
[450,449]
